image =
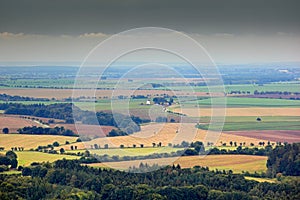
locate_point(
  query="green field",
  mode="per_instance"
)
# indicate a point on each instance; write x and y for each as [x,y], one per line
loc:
[250,119]
[25,158]
[130,151]
[242,102]
[286,86]
[108,105]
[241,126]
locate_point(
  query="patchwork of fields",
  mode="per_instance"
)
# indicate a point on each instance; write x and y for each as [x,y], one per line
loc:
[279,120]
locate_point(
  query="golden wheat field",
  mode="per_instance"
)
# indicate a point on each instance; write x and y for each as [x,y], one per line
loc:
[173,133]
[31,141]
[253,111]
[236,163]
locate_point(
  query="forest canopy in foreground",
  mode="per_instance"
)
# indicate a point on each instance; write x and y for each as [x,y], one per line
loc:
[68,179]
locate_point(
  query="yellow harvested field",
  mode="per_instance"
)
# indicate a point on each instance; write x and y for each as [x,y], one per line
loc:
[253,111]
[167,133]
[237,163]
[31,141]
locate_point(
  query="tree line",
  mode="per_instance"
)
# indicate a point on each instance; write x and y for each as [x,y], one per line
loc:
[46,131]
[7,97]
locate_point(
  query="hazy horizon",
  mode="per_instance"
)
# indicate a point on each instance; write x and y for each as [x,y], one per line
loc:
[232,32]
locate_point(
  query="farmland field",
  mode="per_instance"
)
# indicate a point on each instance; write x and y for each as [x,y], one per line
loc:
[25,158]
[131,151]
[241,126]
[244,111]
[271,135]
[166,133]
[241,102]
[15,122]
[237,163]
[31,141]
[90,131]
[289,87]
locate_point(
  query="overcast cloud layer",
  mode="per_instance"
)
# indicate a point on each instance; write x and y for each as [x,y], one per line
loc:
[233,31]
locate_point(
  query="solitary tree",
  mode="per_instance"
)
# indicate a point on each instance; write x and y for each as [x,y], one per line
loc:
[5,130]
[62,150]
[11,155]
[56,144]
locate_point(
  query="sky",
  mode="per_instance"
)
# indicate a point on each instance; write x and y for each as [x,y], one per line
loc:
[232,31]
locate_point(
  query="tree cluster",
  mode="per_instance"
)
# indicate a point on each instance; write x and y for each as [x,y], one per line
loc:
[9,160]
[46,131]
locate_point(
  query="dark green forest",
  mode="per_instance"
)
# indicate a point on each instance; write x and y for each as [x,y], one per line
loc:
[285,159]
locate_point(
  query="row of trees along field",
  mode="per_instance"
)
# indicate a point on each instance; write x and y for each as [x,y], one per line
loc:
[46,131]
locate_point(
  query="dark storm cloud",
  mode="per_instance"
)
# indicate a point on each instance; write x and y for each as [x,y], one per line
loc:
[57,17]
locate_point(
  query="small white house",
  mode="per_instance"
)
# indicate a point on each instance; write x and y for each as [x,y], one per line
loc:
[148,102]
